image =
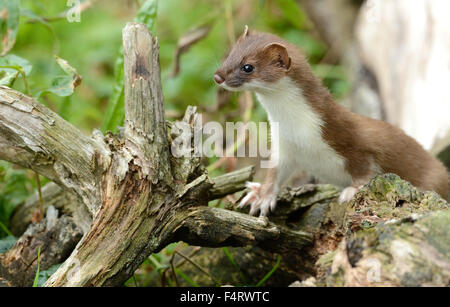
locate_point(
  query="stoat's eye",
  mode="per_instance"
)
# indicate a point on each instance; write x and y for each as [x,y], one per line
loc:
[247,68]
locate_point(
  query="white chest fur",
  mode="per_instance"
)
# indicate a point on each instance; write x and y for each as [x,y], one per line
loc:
[301,146]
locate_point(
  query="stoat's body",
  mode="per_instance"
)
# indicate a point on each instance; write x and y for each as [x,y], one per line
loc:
[300,139]
[315,133]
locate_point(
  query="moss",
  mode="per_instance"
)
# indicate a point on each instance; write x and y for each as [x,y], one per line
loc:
[435,228]
[391,187]
[389,197]
[413,251]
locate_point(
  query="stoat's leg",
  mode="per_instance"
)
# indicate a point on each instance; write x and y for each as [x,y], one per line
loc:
[357,183]
[360,177]
[252,196]
[263,197]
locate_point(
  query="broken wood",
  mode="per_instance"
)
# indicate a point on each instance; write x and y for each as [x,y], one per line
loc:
[54,237]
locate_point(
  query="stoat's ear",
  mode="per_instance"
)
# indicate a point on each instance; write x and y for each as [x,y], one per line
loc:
[245,34]
[279,55]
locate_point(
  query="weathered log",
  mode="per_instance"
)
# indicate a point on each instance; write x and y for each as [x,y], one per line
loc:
[390,234]
[230,182]
[37,138]
[52,195]
[410,252]
[55,237]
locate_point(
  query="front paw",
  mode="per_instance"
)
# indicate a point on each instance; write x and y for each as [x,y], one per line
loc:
[261,200]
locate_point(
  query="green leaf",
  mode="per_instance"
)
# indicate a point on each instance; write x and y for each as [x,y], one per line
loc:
[9,24]
[13,191]
[5,229]
[45,275]
[63,85]
[69,70]
[10,68]
[147,13]
[7,243]
[115,112]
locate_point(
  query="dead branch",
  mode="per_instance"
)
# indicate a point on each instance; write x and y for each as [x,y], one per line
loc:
[35,137]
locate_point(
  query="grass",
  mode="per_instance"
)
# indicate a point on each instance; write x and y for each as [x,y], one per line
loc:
[36,278]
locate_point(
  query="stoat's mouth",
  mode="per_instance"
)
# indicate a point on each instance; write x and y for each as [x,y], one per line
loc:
[231,88]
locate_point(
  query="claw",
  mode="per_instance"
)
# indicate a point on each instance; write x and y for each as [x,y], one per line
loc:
[249,198]
[259,204]
[252,196]
[254,186]
[254,209]
[267,204]
[273,203]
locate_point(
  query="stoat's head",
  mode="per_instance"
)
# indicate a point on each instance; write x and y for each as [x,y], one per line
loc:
[256,60]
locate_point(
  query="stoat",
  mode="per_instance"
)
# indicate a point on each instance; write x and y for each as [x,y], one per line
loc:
[316,134]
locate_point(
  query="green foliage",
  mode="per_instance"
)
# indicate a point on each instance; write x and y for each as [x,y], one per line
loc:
[63,85]
[186,277]
[147,13]
[267,276]
[11,67]
[13,191]
[9,23]
[115,112]
[292,13]
[236,266]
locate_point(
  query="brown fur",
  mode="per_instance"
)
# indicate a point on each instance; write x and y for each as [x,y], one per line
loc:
[360,140]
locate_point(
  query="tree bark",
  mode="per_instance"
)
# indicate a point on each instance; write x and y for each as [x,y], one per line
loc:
[52,195]
[35,137]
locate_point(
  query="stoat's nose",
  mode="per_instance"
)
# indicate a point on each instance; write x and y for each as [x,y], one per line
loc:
[218,79]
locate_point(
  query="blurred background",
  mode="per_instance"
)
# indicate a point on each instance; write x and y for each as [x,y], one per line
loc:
[389,66]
